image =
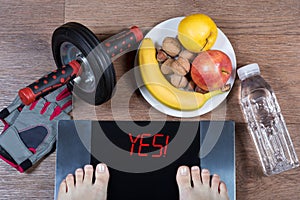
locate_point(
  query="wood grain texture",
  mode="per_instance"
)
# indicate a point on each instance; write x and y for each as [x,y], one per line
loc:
[266,32]
[25,42]
[33,16]
[25,55]
[251,183]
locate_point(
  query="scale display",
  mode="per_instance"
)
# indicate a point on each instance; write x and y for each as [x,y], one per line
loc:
[143,161]
[138,142]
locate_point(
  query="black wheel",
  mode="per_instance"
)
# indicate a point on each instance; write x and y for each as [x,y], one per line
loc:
[73,41]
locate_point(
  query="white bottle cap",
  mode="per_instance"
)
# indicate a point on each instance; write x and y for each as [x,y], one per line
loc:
[248,70]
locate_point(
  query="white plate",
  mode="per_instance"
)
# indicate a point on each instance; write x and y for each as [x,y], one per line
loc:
[169,28]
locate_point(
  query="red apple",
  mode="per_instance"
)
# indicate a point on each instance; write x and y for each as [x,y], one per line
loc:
[211,69]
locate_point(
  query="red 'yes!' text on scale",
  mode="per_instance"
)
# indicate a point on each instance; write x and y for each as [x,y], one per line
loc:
[138,142]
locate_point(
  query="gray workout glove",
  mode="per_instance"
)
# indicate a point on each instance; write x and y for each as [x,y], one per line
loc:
[30,131]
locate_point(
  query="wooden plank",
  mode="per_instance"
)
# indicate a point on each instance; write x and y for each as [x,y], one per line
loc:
[237,16]
[37,183]
[25,58]
[25,43]
[34,16]
[253,17]
[25,54]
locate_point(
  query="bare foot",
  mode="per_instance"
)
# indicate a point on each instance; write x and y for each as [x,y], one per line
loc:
[202,189]
[83,188]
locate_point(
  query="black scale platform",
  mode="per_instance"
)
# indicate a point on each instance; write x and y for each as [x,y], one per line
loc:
[76,139]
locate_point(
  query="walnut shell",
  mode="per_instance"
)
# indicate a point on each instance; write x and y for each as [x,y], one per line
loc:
[190,56]
[181,66]
[166,66]
[171,46]
[178,81]
[161,56]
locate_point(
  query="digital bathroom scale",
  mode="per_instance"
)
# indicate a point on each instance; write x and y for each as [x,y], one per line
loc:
[143,157]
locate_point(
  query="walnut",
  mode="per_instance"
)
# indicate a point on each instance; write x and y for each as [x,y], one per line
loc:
[188,55]
[166,67]
[178,81]
[161,56]
[171,46]
[181,66]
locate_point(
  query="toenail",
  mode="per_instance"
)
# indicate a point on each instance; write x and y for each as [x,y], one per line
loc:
[195,168]
[79,170]
[88,167]
[216,175]
[206,171]
[101,168]
[183,171]
[69,176]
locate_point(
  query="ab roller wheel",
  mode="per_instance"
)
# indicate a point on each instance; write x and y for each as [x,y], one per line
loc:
[84,63]
[73,41]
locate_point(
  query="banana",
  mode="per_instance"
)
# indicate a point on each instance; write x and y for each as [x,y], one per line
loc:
[159,86]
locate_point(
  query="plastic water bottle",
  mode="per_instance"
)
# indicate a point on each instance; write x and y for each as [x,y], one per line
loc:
[265,122]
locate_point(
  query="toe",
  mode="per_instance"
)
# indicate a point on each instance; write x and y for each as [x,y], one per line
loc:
[88,174]
[79,176]
[183,178]
[205,175]
[63,187]
[223,189]
[102,176]
[62,190]
[70,182]
[196,176]
[215,182]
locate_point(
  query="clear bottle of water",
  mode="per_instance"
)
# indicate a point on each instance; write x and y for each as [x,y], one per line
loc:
[265,122]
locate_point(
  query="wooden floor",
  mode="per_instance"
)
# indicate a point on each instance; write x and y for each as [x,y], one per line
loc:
[266,32]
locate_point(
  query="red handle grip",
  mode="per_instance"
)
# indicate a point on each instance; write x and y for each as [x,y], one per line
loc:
[123,42]
[49,82]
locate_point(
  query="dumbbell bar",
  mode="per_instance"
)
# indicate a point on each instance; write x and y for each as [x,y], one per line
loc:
[114,46]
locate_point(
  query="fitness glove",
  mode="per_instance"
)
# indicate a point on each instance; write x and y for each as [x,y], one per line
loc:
[30,131]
